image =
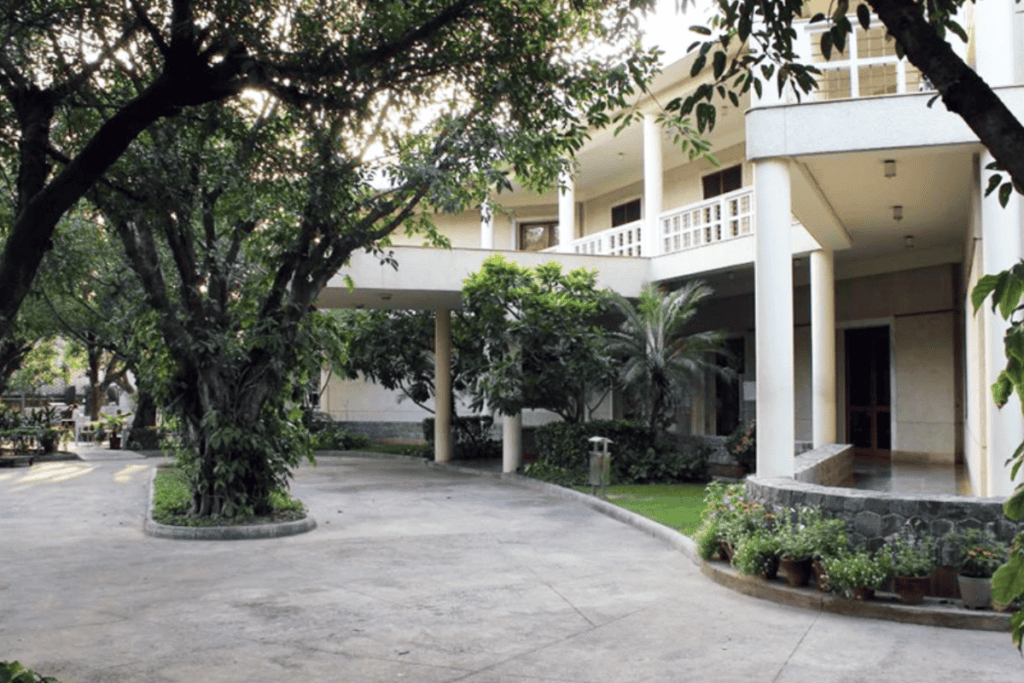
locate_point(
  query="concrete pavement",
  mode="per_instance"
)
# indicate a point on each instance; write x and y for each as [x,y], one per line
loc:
[414,573]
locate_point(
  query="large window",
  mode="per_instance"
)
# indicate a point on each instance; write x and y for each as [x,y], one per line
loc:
[538,235]
[625,213]
[723,181]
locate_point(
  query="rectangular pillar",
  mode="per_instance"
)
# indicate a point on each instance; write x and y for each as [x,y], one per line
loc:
[443,385]
[823,349]
[773,297]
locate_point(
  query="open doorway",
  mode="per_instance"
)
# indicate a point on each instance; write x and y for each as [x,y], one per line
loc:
[868,393]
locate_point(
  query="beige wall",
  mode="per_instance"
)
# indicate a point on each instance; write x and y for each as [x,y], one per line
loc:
[923,359]
[463,229]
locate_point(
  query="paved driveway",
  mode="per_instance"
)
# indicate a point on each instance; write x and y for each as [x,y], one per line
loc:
[414,573]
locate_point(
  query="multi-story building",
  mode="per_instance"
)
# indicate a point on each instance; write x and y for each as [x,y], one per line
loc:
[841,234]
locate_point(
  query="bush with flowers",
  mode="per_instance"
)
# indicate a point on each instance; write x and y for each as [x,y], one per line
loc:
[859,569]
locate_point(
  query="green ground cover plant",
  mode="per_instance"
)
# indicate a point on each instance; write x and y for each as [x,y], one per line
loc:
[172,497]
[675,505]
[14,672]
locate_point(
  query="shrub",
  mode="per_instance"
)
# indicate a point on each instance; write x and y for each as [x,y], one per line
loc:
[14,672]
[555,474]
[858,570]
[742,445]
[913,558]
[472,435]
[977,553]
[636,457]
[337,439]
[707,537]
[758,554]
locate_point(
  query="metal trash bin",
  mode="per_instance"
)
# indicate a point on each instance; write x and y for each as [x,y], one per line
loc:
[600,463]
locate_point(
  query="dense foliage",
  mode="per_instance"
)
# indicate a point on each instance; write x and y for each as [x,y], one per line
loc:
[659,363]
[637,456]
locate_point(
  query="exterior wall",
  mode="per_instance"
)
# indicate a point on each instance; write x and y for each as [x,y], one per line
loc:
[463,229]
[597,211]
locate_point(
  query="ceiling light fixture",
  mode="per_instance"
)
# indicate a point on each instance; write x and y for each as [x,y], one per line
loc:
[908,241]
[897,213]
[890,168]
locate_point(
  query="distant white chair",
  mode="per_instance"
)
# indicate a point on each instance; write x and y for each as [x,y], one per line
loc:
[82,424]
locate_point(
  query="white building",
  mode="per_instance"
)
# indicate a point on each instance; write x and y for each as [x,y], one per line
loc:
[842,236]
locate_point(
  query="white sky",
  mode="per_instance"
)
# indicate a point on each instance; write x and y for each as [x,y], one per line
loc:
[669,28]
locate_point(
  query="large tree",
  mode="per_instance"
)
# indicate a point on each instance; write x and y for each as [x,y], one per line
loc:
[362,118]
[82,79]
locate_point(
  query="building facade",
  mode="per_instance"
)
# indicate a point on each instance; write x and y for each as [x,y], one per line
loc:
[841,233]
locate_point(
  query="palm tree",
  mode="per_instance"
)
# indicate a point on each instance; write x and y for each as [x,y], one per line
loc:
[660,363]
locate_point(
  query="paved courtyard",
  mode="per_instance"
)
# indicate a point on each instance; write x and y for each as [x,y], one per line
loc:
[415,573]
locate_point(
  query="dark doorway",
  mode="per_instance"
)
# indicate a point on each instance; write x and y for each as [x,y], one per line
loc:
[868,398]
[727,390]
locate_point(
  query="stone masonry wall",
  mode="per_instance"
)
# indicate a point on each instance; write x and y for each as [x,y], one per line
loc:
[874,516]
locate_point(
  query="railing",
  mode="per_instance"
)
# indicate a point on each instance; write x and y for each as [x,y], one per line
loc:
[719,219]
[868,67]
[623,240]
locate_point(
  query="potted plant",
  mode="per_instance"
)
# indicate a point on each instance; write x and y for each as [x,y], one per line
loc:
[797,546]
[758,555]
[112,425]
[913,564]
[977,555]
[742,445]
[858,574]
[830,540]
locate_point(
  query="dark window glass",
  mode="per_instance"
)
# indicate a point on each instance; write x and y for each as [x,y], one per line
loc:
[884,430]
[625,213]
[860,429]
[723,181]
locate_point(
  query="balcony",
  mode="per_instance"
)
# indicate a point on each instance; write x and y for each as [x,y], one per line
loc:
[726,217]
[868,67]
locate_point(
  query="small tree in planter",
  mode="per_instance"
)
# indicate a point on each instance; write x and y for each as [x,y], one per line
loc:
[742,445]
[978,554]
[913,564]
[859,574]
[797,549]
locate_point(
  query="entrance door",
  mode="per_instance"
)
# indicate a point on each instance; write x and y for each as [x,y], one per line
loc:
[868,412]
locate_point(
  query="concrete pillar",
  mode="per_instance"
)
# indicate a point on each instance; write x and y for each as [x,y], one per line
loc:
[566,213]
[443,385]
[823,349]
[1001,248]
[653,181]
[486,226]
[773,298]
[511,442]
[996,49]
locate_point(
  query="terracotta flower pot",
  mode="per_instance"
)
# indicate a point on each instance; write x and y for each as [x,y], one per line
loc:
[911,589]
[976,592]
[863,593]
[797,572]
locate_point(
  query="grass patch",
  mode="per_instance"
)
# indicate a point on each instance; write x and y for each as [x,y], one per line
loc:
[674,505]
[393,448]
[172,498]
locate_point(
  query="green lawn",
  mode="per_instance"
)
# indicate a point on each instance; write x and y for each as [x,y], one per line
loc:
[674,505]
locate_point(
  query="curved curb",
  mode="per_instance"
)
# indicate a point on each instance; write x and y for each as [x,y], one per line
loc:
[935,612]
[221,533]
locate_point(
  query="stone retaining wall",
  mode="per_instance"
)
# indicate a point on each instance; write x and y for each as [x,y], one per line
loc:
[873,516]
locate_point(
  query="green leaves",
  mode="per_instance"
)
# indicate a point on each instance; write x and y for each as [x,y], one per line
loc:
[1008,587]
[864,16]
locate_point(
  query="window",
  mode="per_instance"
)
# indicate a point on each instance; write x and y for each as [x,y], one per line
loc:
[723,181]
[538,235]
[625,213]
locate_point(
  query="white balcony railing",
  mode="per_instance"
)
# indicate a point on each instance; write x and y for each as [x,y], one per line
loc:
[721,218]
[868,67]
[623,240]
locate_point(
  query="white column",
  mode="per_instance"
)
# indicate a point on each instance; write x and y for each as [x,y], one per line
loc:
[996,49]
[443,385]
[486,226]
[773,298]
[1001,249]
[653,181]
[511,442]
[823,349]
[566,213]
